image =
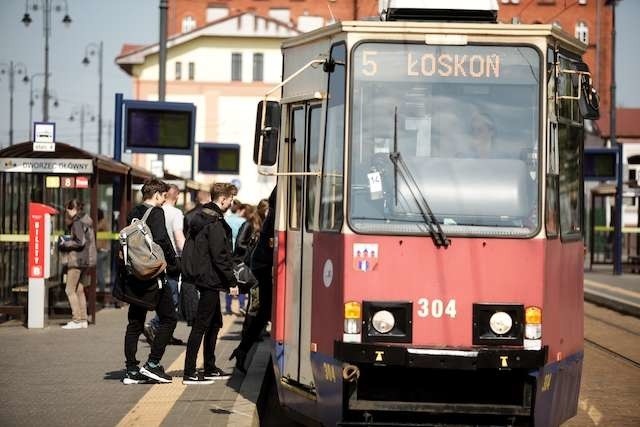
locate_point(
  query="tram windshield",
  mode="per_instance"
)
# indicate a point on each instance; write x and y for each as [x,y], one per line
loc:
[464,119]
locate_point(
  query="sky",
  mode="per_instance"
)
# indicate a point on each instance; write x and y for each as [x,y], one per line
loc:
[136,21]
[114,22]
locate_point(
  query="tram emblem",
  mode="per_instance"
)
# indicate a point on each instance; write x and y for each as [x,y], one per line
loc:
[365,256]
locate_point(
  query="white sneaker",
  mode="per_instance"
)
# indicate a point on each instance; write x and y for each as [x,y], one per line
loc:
[85,324]
[72,325]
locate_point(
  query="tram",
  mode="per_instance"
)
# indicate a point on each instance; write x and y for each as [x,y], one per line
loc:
[429,233]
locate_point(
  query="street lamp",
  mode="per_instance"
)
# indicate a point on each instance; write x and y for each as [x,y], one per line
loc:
[11,70]
[95,49]
[82,114]
[46,5]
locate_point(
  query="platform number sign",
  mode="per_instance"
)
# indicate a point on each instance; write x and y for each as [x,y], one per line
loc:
[68,182]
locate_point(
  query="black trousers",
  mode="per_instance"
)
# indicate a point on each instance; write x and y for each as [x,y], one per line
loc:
[168,318]
[255,324]
[208,322]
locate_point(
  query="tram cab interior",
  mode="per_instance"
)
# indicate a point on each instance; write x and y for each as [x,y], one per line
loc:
[470,143]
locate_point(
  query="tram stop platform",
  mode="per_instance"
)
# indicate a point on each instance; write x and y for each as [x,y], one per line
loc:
[617,292]
[73,377]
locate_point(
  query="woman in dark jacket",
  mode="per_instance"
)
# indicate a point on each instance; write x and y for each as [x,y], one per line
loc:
[80,249]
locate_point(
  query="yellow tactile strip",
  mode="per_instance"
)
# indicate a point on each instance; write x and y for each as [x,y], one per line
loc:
[156,404]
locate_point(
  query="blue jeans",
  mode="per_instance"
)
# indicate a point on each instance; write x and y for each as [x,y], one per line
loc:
[227,300]
[173,286]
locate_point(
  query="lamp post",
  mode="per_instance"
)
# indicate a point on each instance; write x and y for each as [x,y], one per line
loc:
[617,223]
[95,49]
[82,113]
[46,6]
[33,96]
[11,70]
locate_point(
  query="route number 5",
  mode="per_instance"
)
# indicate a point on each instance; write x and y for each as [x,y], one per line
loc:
[436,308]
[368,62]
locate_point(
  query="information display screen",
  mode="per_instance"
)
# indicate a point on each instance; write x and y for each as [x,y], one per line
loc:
[159,127]
[219,158]
[600,164]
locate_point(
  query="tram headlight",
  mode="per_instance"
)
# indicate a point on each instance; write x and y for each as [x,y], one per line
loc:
[383,321]
[500,323]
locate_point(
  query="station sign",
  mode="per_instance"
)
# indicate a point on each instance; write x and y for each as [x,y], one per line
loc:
[28,165]
[44,136]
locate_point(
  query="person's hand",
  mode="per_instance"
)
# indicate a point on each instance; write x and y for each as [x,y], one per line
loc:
[234,291]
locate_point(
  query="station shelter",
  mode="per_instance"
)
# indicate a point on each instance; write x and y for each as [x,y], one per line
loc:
[105,186]
[601,237]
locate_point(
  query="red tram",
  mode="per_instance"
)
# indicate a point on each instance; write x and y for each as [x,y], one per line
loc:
[429,231]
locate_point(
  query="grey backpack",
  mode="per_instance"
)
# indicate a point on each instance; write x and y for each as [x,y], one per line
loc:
[142,256]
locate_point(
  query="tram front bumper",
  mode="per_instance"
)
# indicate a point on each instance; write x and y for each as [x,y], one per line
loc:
[440,358]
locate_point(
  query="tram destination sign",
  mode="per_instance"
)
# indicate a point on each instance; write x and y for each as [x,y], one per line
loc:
[24,164]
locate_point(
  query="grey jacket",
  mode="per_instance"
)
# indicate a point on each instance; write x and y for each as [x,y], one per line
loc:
[81,246]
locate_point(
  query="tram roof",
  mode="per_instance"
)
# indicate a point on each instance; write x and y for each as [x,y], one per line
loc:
[66,151]
[439,28]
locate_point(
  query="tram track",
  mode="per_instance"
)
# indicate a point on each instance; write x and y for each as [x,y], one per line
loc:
[612,352]
[612,335]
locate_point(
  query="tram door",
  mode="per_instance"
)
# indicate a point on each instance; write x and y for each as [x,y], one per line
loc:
[303,151]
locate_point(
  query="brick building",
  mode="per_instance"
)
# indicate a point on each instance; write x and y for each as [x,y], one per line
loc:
[588,20]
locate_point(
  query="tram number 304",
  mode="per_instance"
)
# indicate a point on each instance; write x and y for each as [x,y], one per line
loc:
[436,308]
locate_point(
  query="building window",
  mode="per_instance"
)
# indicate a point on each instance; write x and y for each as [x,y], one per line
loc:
[188,24]
[216,12]
[192,70]
[236,67]
[178,70]
[582,32]
[282,15]
[258,67]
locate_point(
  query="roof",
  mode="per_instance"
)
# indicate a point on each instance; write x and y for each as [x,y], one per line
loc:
[627,123]
[241,25]
[419,28]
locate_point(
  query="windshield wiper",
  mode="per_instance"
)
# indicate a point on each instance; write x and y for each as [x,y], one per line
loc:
[399,166]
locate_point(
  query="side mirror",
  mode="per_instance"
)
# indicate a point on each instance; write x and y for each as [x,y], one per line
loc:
[588,101]
[266,137]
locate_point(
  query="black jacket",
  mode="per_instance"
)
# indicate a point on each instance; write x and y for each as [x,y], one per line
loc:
[156,224]
[210,253]
[245,242]
[262,256]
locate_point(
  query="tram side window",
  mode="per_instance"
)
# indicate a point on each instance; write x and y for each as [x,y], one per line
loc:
[313,165]
[570,137]
[331,202]
[296,164]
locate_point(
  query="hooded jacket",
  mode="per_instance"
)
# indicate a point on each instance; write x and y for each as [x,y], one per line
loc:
[81,247]
[208,250]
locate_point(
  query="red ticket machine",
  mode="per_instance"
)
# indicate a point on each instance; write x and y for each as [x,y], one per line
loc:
[39,261]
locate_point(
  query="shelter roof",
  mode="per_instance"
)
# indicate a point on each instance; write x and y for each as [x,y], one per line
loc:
[66,151]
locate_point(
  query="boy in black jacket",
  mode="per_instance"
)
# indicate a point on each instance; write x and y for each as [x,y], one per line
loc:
[153,194]
[211,270]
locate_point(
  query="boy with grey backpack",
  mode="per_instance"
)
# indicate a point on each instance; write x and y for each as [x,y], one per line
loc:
[146,257]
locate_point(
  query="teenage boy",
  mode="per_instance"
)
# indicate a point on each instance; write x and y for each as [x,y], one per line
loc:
[212,262]
[153,194]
